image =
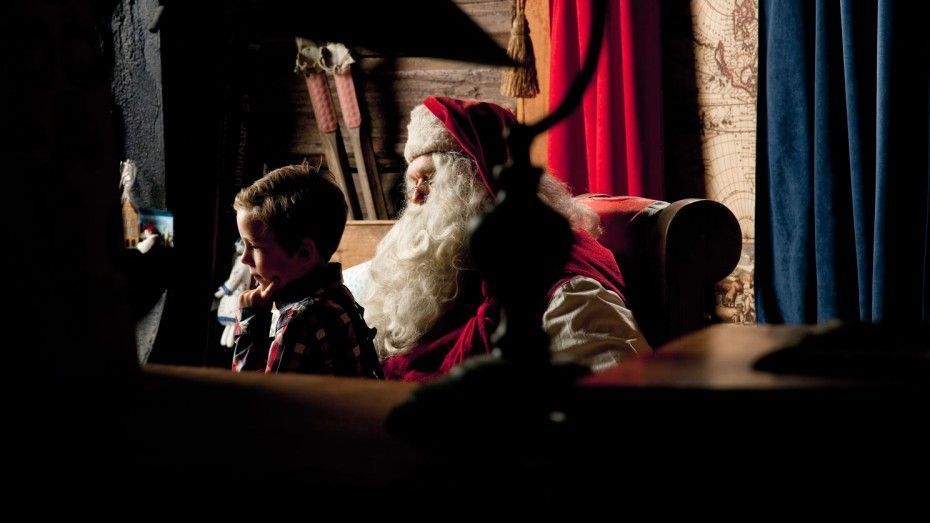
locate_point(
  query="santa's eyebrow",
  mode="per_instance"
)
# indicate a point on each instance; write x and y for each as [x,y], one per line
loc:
[425,170]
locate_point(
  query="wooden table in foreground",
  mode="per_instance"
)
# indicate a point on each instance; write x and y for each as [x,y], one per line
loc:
[719,357]
[693,405]
[699,400]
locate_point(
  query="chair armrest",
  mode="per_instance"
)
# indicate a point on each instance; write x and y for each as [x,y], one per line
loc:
[671,256]
[698,242]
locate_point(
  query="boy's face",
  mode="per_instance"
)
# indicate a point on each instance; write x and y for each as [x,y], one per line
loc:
[268,261]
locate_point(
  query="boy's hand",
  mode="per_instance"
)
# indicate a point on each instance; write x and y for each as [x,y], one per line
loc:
[260,296]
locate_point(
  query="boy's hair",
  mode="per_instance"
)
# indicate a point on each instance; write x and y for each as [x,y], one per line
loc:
[295,203]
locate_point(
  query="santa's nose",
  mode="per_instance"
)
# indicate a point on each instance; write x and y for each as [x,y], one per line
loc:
[420,190]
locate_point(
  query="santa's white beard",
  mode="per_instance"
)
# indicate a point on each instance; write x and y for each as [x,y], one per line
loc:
[415,273]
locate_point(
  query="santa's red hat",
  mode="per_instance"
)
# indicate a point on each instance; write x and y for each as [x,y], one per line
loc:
[442,125]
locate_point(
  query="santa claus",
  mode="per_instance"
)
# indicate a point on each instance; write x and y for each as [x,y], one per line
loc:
[430,308]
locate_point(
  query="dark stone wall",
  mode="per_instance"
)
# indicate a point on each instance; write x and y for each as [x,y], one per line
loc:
[137,92]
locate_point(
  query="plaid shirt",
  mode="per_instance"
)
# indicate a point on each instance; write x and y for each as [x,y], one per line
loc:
[319,330]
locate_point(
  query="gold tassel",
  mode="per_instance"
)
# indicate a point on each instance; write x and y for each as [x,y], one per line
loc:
[521,81]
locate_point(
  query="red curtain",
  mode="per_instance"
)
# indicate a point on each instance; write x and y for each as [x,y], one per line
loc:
[612,143]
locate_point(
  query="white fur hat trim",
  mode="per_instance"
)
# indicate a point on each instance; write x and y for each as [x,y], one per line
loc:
[426,134]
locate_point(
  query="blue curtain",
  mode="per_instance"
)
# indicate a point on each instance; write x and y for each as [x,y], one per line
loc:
[843,161]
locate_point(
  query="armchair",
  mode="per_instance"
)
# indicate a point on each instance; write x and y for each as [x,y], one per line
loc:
[671,255]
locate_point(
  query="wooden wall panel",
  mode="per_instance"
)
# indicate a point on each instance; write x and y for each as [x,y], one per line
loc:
[389,88]
[360,240]
[533,109]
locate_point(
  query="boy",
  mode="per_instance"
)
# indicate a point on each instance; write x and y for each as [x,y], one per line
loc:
[291,221]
